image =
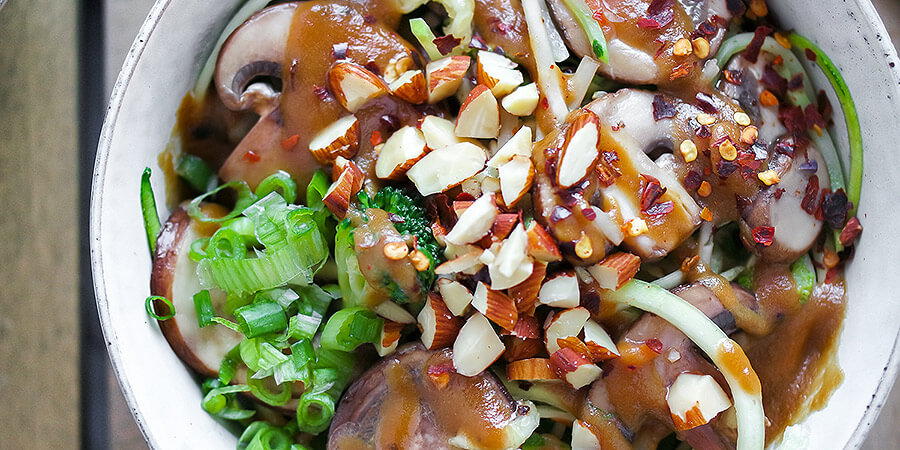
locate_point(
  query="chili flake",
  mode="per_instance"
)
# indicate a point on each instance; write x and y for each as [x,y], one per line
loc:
[251,156]
[290,142]
[706,119]
[701,47]
[768,99]
[764,235]
[446,44]
[782,39]
[682,47]
[769,177]
[727,150]
[735,77]
[850,232]
[706,214]
[688,150]
[662,109]
[705,189]
[749,135]
[375,138]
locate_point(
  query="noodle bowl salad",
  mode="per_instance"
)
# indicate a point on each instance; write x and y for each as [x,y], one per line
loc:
[507,224]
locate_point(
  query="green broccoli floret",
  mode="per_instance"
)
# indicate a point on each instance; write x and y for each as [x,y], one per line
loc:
[409,208]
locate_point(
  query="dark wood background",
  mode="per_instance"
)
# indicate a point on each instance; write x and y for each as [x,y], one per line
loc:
[58,62]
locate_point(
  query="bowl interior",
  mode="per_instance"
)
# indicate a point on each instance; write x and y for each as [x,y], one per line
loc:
[173,43]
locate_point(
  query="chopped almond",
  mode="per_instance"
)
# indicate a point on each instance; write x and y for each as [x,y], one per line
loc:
[477,346]
[525,294]
[354,85]
[456,296]
[439,326]
[615,270]
[573,368]
[475,221]
[497,72]
[579,152]
[522,101]
[350,181]
[410,86]
[479,115]
[341,138]
[495,305]
[515,179]
[560,291]
[532,369]
[563,324]
[400,152]
[446,167]
[541,245]
[444,76]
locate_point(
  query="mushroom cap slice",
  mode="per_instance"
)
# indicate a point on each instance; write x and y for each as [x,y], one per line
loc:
[174,277]
[415,399]
[254,51]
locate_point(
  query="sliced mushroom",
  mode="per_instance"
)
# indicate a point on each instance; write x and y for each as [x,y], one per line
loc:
[780,206]
[251,59]
[174,277]
[415,399]
[634,56]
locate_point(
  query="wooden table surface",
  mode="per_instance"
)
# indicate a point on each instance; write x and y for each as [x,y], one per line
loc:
[39,247]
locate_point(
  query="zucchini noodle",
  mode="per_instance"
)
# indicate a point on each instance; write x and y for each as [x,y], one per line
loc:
[703,332]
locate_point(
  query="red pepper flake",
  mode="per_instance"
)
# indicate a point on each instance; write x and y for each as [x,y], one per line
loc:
[811,55]
[545,103]
[321,92]
[735,77]
[599,17]
[810,198]
[660,209]
[703,132]
[618,126]
[681,71]
[497,25]
[813,118]
[465,197]
[795,83]
[764,235]
[751,54]
[708,28]
[773,81]
[692,180]
[290,142]
[440,375]
[375,138]
[779,60]
[832,275]
[660,14]
[662,109]
[825,109]
[705,102]
[725,168]
[850,232]
[446,44]
[651,192]
[785,147]
[655,345]
[369,19]
[251,156]
[792,118]
[589,213]
[834,208]
[778,193]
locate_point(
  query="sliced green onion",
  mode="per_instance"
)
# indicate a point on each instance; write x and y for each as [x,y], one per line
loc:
[151,305]
[351,327]
[279,182]
[851,117]
[263,392]
[336,359]
[318,187]
[297,368]
[425,36]
[227,323]
[244,227]
[297,261]
[710,338]
[206,73]
[350,278]
[226,243]
[303,326]
[228,366]
[283,296]
[260,318]
[148,211]
[314,412]
[220,401]
[804,275]
[268,215]
[195,171]
[198,249]
[270,438]
[204,307]
[590,27]
[245,198]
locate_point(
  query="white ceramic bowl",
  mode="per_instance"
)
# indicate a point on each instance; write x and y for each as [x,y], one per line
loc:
[176,37]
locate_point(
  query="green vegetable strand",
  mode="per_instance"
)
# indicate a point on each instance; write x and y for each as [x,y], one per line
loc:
[590,27]
[148,211]
[150,305]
